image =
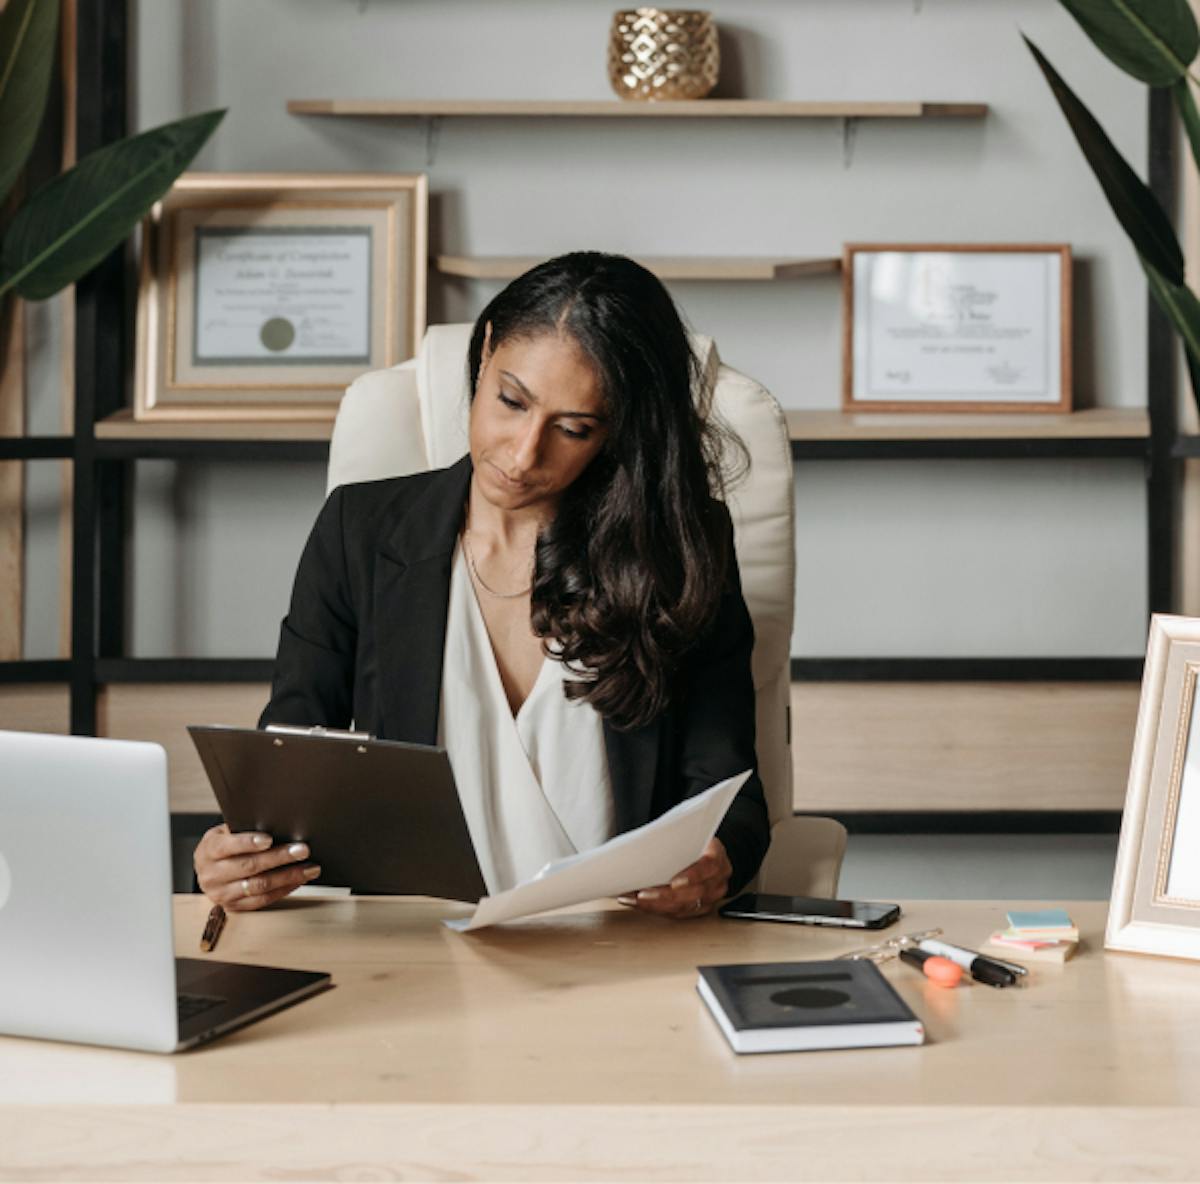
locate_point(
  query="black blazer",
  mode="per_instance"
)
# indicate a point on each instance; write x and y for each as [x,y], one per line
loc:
[365,632]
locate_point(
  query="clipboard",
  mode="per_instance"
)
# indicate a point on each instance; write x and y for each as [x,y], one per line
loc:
[380,816]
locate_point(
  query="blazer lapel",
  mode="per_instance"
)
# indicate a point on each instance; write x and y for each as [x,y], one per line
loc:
[412,588]
[632,769]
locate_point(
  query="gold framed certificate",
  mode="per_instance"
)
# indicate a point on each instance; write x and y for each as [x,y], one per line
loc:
[956,327]
[264,295]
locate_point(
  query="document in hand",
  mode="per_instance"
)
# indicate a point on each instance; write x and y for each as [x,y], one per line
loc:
[640,858]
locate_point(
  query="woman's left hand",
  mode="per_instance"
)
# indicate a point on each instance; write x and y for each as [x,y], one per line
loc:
[693,892]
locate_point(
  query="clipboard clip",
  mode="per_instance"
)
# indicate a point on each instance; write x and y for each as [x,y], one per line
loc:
[318,730]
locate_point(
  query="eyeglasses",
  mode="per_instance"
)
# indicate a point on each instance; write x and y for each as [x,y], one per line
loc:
[886,950]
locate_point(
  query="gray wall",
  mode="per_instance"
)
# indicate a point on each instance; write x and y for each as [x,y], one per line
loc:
[914,558]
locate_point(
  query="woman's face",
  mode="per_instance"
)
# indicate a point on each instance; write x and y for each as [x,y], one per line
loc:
[537,420]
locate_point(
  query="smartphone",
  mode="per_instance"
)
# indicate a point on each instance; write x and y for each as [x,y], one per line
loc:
[809,910]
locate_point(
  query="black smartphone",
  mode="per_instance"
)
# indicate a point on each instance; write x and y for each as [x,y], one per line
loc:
[809,910]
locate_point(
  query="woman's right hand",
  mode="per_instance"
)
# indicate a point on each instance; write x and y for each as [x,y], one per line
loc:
[244,872]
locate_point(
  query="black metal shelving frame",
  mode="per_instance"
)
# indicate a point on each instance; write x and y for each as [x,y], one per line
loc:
[973,448]
[102,472]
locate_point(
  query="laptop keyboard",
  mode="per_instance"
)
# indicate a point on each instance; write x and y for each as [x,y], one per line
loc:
[190,1006]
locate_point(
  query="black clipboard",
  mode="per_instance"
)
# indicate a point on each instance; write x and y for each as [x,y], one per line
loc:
[379,816]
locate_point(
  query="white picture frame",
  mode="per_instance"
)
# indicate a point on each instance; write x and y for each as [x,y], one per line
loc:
[1155,905]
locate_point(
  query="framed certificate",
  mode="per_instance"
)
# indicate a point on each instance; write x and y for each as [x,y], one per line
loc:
[956,327]
[262,296]
[1155,906]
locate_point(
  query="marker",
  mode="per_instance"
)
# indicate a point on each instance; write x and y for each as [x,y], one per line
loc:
[1015,967]
[981,969]
[935,968]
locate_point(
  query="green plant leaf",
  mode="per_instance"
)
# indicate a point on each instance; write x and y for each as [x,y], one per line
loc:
[1154,40]
[1185,104]
[1193,368]
[28,41]
[1181,306]
[1135,206]
[69,225]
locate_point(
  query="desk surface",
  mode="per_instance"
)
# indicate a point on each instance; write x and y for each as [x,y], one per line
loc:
[575,1046]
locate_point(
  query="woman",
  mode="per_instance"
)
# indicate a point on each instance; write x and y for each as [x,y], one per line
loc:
[560,609]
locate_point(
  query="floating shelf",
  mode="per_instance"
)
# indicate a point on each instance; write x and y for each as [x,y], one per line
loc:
[753,268]
[1122,423]
[1101,423]
[122,426]
[615,109]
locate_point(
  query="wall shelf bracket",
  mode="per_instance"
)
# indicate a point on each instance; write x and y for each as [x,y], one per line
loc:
[849,138]
[433,133]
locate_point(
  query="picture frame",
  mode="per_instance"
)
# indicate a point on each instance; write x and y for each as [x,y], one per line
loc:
[262,296]
[950,327]
[1155,905]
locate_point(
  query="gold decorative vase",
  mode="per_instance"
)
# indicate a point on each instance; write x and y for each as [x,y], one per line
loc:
[663,53]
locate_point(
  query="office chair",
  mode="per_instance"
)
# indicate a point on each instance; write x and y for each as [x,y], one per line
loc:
[414,417]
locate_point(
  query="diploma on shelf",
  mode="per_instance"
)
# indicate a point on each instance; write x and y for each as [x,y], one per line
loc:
[293,296]
[262,296]
[958,328]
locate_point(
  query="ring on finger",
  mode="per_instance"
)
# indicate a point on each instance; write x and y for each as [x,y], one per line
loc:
[245,887]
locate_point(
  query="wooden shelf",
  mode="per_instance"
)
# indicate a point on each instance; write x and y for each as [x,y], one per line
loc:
[1101,423]
[751,268]
[1093,424]
[616,109]
[122,426]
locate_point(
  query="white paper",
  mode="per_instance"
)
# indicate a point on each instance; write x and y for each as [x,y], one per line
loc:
[640,858]
[945,326]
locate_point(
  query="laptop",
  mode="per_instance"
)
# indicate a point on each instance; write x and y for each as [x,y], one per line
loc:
[86,941]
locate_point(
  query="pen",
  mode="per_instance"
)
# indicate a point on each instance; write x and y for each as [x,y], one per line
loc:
[1015,967]
[212,929]
[982,969]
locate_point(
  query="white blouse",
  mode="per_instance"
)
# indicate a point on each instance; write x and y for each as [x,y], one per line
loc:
[534,788]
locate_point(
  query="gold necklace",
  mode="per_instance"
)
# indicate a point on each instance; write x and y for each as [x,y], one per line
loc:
[481,581]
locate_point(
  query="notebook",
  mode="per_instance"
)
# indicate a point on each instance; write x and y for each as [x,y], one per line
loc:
[802,1006]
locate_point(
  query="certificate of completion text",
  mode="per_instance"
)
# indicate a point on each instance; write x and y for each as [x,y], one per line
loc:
[947,326]
[282,296]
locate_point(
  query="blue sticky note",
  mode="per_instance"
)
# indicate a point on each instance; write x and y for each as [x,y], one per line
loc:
[1040,919]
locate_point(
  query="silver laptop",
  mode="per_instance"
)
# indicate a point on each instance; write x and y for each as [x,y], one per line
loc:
[87,951]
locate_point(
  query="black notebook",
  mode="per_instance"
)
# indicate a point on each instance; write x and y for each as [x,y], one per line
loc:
[799,1006]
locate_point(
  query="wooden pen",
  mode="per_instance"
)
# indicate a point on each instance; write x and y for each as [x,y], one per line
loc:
[212,929]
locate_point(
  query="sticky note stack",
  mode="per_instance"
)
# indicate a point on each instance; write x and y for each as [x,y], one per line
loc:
[1042,935]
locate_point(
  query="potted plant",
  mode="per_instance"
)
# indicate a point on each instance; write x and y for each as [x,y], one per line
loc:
[69,225]
[1155,41]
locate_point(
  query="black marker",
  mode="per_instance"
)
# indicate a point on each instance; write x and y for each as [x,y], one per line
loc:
[981,968]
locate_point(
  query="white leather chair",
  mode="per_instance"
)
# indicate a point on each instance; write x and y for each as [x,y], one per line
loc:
[414,417]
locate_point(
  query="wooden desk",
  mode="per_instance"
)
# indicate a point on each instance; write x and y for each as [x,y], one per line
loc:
[575,1047]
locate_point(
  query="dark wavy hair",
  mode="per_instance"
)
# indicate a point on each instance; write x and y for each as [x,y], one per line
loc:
[630,572]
